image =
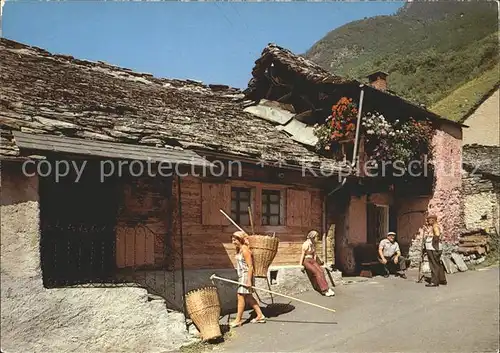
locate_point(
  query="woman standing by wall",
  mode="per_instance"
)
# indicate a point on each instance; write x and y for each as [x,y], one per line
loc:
[314,271]
[433,247]
[244,266]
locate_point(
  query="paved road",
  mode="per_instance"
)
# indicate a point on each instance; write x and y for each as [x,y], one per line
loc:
[386,315]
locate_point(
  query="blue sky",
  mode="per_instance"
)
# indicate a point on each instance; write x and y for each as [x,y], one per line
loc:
[214,42]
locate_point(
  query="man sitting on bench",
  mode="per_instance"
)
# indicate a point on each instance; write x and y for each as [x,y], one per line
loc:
[390,254]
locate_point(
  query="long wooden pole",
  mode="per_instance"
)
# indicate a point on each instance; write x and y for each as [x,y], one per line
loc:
[269,291]
[251,218]
[233,222]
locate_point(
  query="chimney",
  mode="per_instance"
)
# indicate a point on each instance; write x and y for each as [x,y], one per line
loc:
[378,80]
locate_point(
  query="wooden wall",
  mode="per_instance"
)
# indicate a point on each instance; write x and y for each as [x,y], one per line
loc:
[143,223]
[207,234]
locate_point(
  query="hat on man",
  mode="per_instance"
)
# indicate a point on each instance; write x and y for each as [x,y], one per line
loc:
[391,233]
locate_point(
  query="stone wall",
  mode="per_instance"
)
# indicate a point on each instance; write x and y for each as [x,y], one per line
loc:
[481,202]
[446,200]
[289,280]
[20,255]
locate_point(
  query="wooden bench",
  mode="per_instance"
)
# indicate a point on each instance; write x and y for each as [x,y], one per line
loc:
[366,256]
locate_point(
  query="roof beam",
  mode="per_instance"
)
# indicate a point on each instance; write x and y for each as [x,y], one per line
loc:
[60,144]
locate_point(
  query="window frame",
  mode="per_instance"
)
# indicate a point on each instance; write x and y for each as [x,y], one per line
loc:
[266,200]
[238,211]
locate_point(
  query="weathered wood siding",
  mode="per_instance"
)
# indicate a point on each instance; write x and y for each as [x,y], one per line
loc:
[143,223]
[207,234]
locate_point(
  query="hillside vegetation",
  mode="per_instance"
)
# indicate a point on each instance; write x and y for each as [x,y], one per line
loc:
[428,49]
[466,97]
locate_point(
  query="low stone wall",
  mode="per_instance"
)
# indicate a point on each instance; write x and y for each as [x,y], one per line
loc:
[415,252]
[20,238]
[287,280]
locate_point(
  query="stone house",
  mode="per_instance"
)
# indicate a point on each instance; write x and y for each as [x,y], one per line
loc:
[481,163]
[363,208]
[92,159]
[122,175]
[481,166]
[481,185]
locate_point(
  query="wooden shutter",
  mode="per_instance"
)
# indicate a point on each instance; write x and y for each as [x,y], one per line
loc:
[298,208]
[214,197]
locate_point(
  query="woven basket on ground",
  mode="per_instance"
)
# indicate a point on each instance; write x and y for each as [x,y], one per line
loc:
[264,249]
[203,307]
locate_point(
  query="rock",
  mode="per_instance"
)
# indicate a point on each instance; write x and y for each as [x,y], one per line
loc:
[94,136]
[128,129]
[12,123]
[480,260]
[457,258]
[117,319]
[449,265]
[122,135]
[151,141]
[56,124]
[33,131]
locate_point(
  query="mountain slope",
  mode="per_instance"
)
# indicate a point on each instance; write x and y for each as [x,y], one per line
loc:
[466,97]
[429,49]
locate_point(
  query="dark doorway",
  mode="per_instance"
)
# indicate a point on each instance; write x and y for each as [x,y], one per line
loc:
[377,218]
[393,219]
[77,220]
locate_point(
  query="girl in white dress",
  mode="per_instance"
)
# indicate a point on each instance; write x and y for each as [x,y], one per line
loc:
[244,267]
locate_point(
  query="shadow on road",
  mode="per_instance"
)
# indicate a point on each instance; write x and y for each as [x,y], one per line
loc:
[307,322]
[277,309]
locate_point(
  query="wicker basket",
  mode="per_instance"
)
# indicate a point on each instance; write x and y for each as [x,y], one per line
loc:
[264,249]
[203,307]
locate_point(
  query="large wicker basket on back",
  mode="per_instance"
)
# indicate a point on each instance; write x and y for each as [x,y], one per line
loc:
[203,307]
[264,249]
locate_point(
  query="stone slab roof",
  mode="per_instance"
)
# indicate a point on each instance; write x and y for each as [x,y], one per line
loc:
[273,53]
[61,95]
[307,71]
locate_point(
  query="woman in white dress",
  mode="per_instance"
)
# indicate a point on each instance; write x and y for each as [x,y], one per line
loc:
[244,266]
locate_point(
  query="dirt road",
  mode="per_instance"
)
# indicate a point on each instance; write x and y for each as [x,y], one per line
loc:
[386,315]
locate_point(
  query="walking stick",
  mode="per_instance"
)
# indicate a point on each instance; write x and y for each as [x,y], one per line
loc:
[251,218]
[233,222]
[272,292]
[420,274]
